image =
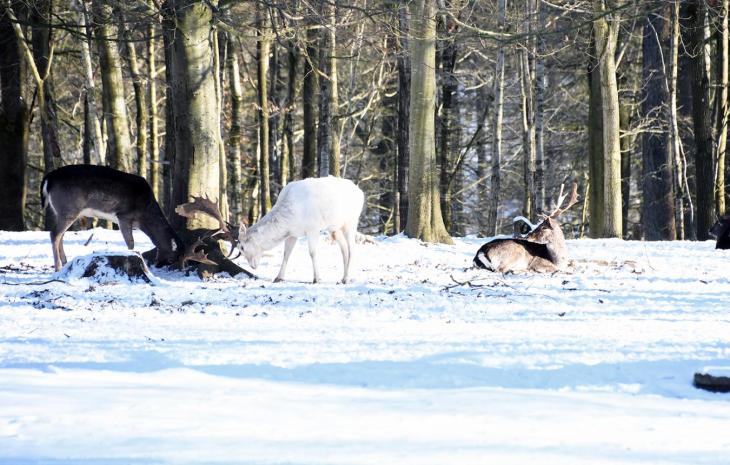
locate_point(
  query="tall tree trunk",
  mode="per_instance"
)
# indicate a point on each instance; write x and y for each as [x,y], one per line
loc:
[595,146]
[683,201]
[328,144]
[697,11]
[168,164]
[721,105]
[309,104]
[93,133]
[152,100]
[627,144]
[40,18]
[540,84]
[448,107]
[194,105]
[658,217]
[276,99]
[528,125]
[219,48]
[605,30]
[492,212]
[119,151]
[482,99]
[236,131]
[287,145]
[424,209]
[404,98]
[263,47]
[14,119]
[141,114]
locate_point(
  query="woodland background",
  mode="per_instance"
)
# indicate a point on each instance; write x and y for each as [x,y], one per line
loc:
[452,116]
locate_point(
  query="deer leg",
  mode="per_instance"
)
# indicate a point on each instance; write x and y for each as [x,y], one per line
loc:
[125,227]
[312,239]
[288,247]
[57,232]
[345,249]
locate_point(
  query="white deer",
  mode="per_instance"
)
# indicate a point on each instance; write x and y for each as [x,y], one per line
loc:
[304,208]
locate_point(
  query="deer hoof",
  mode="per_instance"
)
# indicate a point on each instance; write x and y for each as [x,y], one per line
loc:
[278,279]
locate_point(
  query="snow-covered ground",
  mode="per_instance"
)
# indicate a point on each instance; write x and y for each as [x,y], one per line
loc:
[420,360]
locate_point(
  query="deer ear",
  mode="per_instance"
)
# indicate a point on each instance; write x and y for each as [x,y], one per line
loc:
[241,230]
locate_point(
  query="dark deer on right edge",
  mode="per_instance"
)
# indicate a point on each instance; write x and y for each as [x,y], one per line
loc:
[721,231]
[542,250]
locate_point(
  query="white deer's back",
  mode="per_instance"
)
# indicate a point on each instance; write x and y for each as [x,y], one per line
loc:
[317,204]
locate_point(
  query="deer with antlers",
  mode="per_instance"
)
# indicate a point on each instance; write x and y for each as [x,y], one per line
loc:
[542,249]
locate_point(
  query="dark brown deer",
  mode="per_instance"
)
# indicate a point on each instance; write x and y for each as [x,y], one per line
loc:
[721,231]
[91,191]
[542,250]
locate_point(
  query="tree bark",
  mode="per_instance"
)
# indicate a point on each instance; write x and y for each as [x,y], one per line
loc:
[328,144]
[721,105]
[605,30]
[702,120]
[528,121]
[449,106]
[658,218]
[424,210]
[287,156]
[404,97]
[263,47]
[40,18]
[14,120]
[309,104]
[492,212]
[595,146]
[141,114]
[94,133]
[152,100]
[540,84]
[118,153]
[194,107]
[236,130]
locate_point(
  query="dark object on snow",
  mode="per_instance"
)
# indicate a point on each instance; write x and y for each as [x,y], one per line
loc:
[721,231]
[712,383]
[75,191]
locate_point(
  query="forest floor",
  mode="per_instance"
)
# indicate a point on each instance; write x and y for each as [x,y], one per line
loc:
[421,359]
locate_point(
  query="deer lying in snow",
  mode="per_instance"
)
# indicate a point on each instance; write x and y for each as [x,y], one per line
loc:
[91,191]
[542,250]
[304,208]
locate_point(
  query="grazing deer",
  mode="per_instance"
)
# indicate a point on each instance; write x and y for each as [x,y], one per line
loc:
[721,231]
[304,208]
[75,191]
[542,250]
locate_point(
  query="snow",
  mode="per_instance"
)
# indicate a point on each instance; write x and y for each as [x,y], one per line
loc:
[419,360]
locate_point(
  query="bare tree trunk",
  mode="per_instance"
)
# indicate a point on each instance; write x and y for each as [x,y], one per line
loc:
[683,201]
[220,70]
[697,11]
[595,146]
[152,100]
[194,105]
[721,105]
[90,95]
[309,105]
[40,18]
[263,47]
[141,116]
[115,108]
[424,210]
[482,160]
[658,217]
[492,212]
[449,105]
[540,78]
[328,146]
[605,30]
[627,143]
[14,120]
[287,146]
[236,130]
[404,95]
[528,120]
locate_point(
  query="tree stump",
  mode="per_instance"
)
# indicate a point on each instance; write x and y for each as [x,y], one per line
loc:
[109,268]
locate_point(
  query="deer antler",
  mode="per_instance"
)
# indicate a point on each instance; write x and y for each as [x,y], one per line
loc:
[561,198]
[206,206]
[191,255]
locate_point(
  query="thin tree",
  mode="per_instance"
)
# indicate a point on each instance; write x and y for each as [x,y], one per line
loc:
[496,181]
